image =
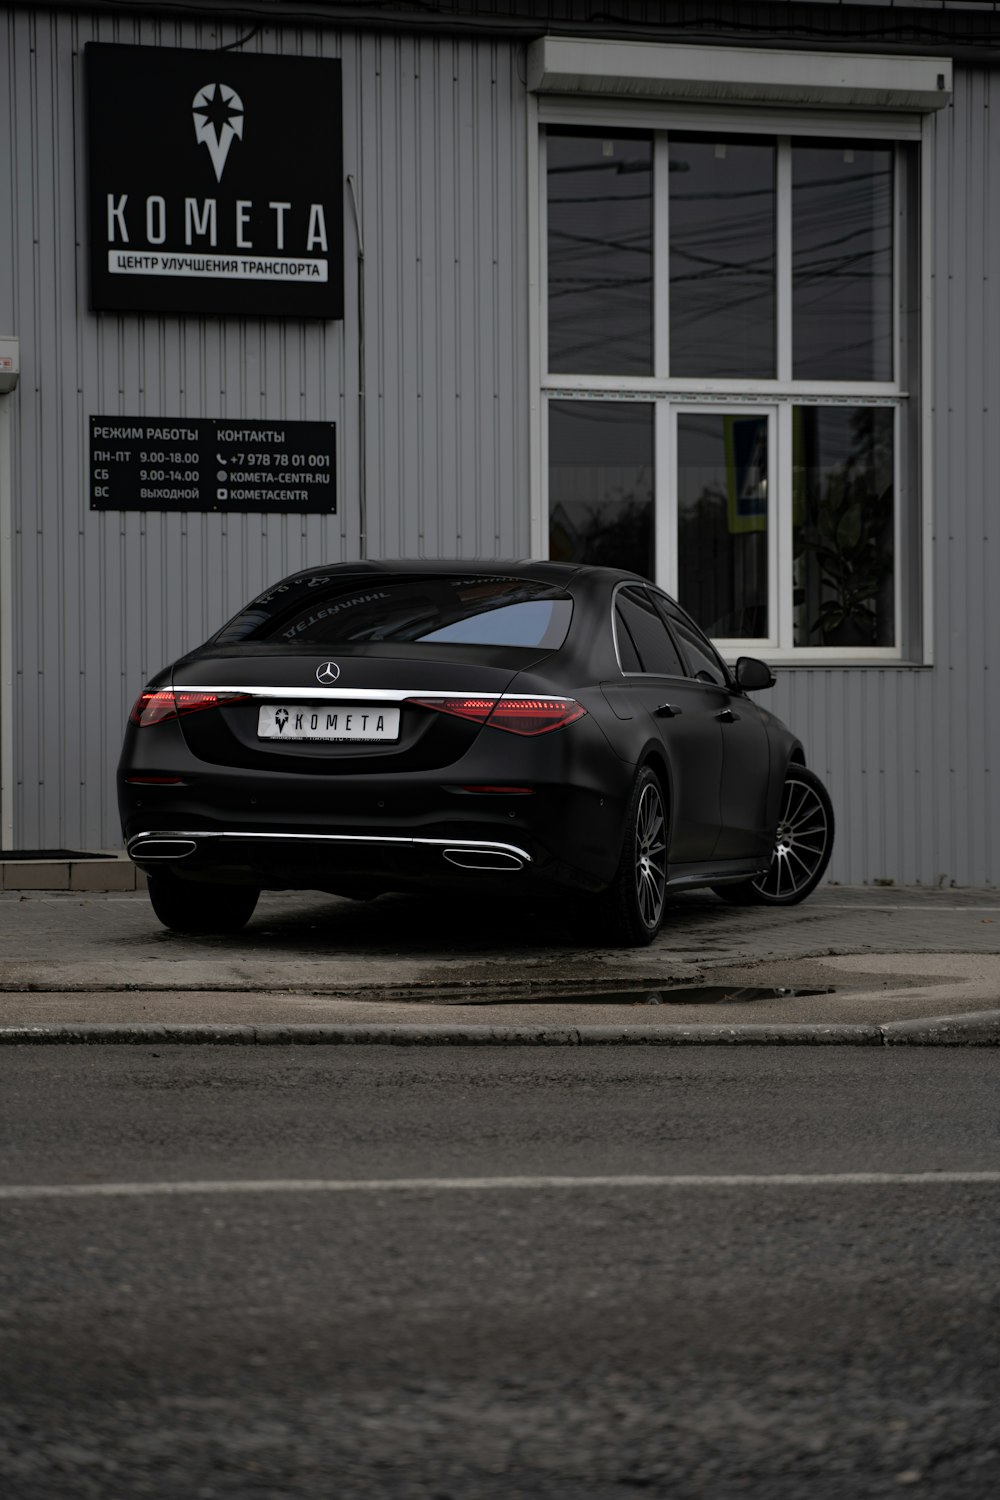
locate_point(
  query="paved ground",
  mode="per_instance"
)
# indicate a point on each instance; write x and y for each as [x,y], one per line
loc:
[875,955]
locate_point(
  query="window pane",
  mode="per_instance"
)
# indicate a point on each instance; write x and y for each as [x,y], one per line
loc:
[657,653]
[627,653]
[601,483]
[537,622]
[843,525]
[700,655]
[722,257]
[722,521]
[600,254]
[327,610]
[842,262]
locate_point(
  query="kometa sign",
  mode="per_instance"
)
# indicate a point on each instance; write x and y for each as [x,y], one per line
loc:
[215,182]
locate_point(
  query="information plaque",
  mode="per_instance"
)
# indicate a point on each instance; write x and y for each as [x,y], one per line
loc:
[208,464]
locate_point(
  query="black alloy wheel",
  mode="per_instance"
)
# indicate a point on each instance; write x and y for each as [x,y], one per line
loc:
[631,909]
[199,909]
[802,846]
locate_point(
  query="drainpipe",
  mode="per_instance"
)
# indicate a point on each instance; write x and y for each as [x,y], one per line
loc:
[362,412]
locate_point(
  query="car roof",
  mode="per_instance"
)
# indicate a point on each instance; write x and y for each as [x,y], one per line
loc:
[542,570]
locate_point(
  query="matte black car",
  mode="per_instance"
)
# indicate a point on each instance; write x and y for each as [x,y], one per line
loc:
[378,726]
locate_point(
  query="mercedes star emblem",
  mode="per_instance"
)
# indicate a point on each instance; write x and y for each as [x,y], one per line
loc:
[328,672]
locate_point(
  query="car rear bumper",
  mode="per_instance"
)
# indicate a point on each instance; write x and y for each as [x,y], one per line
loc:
[522,811]
[284,856]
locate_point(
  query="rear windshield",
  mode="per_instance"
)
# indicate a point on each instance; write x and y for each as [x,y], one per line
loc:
[323,611]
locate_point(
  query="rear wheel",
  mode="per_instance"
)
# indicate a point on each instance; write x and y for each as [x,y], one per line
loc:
[802,846]
[631,909]
[197,908]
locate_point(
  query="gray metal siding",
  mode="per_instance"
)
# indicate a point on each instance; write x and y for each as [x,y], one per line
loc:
[435,135]
[435,138]
[909,754]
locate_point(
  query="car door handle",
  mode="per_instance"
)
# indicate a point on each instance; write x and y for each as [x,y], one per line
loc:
[667,711]
[727,716]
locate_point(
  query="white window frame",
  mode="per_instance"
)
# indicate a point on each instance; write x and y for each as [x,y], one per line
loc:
[912,581]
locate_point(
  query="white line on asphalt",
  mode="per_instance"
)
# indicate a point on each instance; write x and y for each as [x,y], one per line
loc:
[59,899]
[486,1184]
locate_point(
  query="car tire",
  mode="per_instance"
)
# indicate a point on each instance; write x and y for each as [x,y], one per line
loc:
[802,846]
[630,911]
[198,908]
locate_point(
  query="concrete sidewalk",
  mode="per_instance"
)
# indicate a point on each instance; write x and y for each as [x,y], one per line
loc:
[873,958]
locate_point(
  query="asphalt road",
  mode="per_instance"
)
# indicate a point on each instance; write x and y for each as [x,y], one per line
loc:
[470,1294]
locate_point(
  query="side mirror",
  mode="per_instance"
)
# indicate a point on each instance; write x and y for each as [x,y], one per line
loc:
[753,674]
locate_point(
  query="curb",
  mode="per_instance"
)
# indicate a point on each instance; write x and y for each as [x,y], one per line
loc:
[98,875]
[977,1029]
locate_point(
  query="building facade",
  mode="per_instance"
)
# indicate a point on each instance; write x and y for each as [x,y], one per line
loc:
[708,291]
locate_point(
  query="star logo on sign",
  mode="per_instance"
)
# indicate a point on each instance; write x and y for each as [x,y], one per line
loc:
[281,719]
[218,120]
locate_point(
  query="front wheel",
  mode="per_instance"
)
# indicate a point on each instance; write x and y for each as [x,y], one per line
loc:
[802,846]
[197,908]
[631,909]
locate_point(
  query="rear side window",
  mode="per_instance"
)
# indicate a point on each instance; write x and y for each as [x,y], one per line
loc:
[324,611]
[628,656]
[700,655]
[645,631]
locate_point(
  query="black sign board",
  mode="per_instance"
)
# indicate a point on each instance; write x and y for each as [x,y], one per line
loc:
[215,182]
[196,463]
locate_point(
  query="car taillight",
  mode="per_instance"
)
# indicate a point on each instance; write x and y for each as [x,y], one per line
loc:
[167,703]
[534,715]
[516,714]
[477,709]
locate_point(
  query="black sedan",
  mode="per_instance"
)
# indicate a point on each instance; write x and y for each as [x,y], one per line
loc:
[378,726]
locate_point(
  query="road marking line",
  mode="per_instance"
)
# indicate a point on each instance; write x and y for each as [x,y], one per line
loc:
[479,1184]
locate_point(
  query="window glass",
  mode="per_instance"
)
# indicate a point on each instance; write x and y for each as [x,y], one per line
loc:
[842,262]
[699,655]
[601,483]
[627,654]
[722,257]
[843,525]
[754,469]
[326,611]
[600,254]
[657,652]
[722,506]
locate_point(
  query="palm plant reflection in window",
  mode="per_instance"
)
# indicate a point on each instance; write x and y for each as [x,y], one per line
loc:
[843,526]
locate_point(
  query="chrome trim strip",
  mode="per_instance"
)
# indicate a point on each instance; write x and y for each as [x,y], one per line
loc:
[342,695]
[483,845]
[352,695]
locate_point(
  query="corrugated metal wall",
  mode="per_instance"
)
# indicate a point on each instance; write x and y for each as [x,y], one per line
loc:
[435,137]
[910,755]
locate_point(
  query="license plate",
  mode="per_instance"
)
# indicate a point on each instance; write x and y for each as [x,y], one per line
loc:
[343,722]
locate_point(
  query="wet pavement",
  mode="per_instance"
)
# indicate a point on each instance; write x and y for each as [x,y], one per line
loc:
[848,955]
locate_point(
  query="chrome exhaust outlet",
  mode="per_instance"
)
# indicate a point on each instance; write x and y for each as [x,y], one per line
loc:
[162,848]
[483,859]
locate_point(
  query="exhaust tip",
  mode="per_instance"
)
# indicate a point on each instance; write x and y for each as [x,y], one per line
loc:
[483,859]
[162,848]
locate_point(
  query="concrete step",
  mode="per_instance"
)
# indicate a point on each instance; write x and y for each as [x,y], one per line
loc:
[115,874]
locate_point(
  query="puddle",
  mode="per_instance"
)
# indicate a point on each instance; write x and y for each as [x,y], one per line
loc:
[705,994]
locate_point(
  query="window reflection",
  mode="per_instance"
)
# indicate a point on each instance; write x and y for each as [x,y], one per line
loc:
[843,525]
[722,509]
[600,247]
[601,483]
[722,257]
[842,262]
